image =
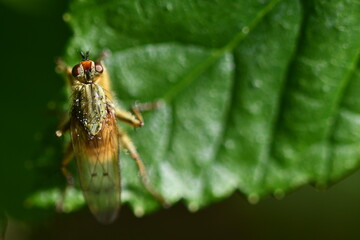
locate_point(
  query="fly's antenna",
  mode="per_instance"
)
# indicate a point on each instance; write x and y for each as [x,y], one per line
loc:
[85,56]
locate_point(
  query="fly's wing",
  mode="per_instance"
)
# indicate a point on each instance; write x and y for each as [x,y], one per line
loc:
[99,167]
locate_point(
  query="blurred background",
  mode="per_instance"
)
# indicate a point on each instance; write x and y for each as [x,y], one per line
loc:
[33,34]
[304,214]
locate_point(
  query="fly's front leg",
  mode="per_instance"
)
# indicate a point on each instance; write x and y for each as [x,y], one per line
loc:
[136,119]
[104,54]
[61,67]
[126,142]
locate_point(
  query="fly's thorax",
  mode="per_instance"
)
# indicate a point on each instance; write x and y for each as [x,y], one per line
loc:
[90,106]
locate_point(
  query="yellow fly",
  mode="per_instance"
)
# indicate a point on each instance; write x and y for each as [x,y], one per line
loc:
[96,138]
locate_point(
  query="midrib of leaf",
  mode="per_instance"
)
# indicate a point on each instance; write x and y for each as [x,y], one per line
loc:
[218,53]
[261,169]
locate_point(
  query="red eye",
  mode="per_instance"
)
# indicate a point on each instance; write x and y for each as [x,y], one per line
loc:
[99,68]
[76,70]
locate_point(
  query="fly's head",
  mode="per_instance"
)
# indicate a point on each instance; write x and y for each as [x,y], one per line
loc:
[87,71]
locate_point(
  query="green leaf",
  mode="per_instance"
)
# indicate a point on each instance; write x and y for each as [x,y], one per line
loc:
[259,96]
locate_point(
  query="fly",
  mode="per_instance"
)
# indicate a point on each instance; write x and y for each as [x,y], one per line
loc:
[96,138]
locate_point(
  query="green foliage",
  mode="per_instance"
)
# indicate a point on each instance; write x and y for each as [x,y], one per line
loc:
[259,96]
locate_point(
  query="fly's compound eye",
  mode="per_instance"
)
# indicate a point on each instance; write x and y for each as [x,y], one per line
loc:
[77,70]
[99,68]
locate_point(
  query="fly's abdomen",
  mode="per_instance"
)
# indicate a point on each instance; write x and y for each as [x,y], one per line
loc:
[99,167]
[95,141]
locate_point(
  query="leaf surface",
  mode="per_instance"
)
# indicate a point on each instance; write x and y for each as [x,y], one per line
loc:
[259,96]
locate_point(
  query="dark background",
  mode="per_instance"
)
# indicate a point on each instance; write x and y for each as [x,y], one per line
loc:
[33,34]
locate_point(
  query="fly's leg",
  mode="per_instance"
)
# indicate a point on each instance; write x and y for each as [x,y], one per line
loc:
[61,67]
[63,127]
[104,54]
[128,118]
[138,108]
[126,142]
[69,155]
[136,119]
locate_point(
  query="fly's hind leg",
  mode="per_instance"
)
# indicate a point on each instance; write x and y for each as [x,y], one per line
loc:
[126,143]
[69,155]
[64,127]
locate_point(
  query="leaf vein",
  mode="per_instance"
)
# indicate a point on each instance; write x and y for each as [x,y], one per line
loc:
[218,53]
